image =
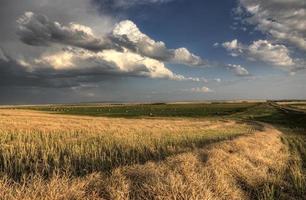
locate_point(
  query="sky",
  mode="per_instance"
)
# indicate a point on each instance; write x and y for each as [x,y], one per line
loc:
[70,51]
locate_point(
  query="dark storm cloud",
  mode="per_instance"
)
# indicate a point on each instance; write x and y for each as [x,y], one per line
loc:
[14,74]
[67,44]
[90,68]
[125,51]
[38,30]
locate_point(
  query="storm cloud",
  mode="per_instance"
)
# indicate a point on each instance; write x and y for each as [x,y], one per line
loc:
[38,30]
[74,67]
[67,50]
[76,55]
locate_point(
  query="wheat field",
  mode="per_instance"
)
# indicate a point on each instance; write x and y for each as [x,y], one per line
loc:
[36,143]
[57,157]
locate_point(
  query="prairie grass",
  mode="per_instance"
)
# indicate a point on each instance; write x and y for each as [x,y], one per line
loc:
[229,170]
[44,144]
[296,170]
[291,184]
[143,156]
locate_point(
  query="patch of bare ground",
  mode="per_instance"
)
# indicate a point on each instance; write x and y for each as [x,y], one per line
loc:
[236,169]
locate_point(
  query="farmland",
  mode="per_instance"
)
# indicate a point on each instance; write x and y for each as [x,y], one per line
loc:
[161,151]
[148,110]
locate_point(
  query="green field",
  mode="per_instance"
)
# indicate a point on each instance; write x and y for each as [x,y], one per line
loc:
[149,110]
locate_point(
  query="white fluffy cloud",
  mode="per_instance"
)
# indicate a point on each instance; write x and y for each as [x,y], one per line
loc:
[238,70]
[234,47]
[125,50]
[274,54]
[127,34]
[283,20]
[201,90]
[262,50]
[183,56]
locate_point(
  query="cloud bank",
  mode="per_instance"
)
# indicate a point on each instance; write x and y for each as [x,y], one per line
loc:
[37,30]
[75,54]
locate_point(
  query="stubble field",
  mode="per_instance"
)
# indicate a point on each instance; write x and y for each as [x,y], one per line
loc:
[161,151]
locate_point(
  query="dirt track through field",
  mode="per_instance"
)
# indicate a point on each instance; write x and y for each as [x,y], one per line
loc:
[235,169]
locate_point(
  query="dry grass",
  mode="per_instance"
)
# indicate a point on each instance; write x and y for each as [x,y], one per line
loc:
[295,179]
[29,121]
[237,169]
[45,144]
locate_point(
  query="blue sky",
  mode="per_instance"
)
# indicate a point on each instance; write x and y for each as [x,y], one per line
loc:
[151,50]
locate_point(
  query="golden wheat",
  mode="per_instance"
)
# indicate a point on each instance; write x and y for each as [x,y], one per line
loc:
[229,170]
[48,156]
